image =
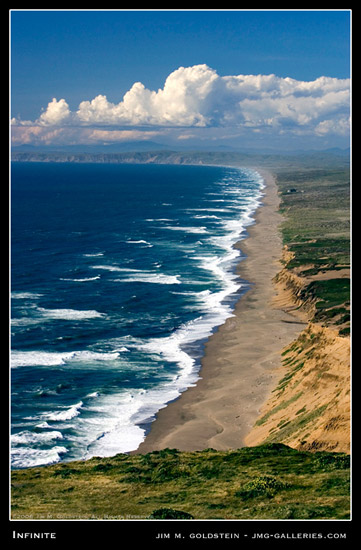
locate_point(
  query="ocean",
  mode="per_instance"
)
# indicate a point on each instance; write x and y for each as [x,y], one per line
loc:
[119,274]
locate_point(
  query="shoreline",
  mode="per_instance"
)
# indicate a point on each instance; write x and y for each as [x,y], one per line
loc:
[241,360]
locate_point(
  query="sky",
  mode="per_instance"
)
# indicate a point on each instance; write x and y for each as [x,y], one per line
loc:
[239,78]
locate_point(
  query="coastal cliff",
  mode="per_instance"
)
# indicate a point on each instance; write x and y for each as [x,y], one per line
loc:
[309,409]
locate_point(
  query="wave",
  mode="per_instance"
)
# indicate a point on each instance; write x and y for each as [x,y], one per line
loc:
[47,358]
[139,276]
[200,230]
[43,425]
[82,280]
[25,457]
[24,321]
[155,278]
[93,394]
[16,294]
[94,255]
[69,314]
[219,210]
[206,217]
[66,414]
[159,220]
[40,315]
[118,425]
[140,242]
[112,268]
[29,438]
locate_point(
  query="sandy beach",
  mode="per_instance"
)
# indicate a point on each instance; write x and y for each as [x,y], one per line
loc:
[241,363]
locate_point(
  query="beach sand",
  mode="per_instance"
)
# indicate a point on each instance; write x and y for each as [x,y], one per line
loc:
[242,359]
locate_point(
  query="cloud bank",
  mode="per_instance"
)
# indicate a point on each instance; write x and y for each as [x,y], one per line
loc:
[197,97]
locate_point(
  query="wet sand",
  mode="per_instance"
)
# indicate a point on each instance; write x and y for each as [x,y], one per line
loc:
[242,359]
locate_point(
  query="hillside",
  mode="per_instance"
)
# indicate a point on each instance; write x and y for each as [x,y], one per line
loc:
[310,407]
[269,481]
[232,158]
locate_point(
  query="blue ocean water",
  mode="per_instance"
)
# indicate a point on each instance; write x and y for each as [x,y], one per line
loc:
[119,275]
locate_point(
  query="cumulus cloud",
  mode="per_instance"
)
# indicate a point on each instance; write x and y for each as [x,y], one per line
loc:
[197,97]
[179,103]
[56,113]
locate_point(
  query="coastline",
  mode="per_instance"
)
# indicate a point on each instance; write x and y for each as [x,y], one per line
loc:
[241,360]
[241,371]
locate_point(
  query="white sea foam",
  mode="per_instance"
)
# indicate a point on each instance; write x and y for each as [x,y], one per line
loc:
[140,242]
[46,358]
[117,425]
[147,277]
[67,414]
[112,268]
[25,295]
[25,457]
[82,280]
[159,220]
[69,314]
[30,438]
[93,394]
[219,210]
[41,315]
[137,275]
[201,230]
[24,321]
[43,425]
[40,358]
[94,255]
[207,217]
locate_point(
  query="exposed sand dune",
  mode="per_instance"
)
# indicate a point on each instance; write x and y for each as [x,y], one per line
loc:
[310,407]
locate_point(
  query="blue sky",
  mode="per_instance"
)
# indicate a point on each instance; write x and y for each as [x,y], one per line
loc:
[77,56]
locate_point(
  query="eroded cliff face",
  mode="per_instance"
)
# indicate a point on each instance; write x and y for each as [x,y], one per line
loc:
[310,407]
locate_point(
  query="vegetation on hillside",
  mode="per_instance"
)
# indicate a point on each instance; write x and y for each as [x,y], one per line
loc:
[316,232]
[309,409]
[269,481]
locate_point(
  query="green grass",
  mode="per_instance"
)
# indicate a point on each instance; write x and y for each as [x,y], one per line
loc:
[316,208]
[269,481]
[303,420]
[281,406]
[317,225]
[329,292]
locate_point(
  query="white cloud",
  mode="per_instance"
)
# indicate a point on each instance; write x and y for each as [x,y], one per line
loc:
[340,126]
[179,103]
[68,135]
[197,97]
[56,113]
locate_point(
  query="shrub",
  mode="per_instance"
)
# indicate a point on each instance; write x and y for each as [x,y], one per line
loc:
[261,486]
[168,513]
[337,461]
